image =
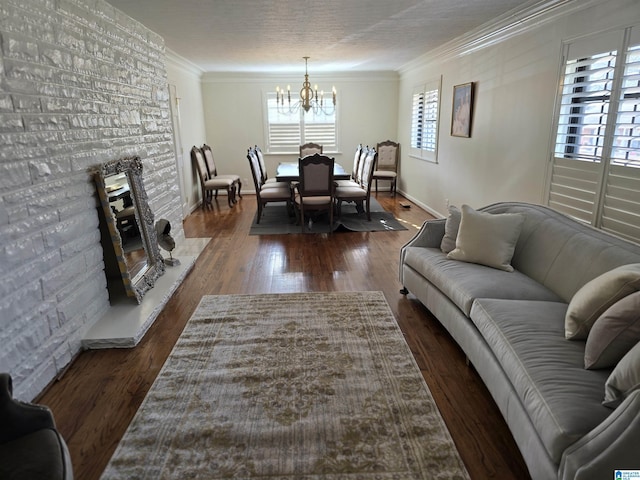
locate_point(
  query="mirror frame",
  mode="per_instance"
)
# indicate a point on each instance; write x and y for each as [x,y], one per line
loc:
[145,280]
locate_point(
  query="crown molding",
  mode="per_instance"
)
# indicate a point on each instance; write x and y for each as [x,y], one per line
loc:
[515,22]
[182,63]
[324,77]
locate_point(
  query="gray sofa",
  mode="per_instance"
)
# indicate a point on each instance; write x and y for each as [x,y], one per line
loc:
[511,326]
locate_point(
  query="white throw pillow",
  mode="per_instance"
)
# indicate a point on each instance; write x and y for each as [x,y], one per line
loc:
[624,379]
[596,296]
[487,238]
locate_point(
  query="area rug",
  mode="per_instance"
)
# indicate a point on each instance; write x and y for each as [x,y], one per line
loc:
[289,386]
[277,220]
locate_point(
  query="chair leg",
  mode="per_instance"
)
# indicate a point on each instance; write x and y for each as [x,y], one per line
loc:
[230,195]
[376,186]
[239,188]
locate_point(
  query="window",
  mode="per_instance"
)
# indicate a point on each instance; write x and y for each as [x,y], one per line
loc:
[424,121]
[287,131]
[595,174]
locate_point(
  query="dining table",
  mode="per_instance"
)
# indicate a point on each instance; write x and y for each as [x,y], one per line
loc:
[288,172]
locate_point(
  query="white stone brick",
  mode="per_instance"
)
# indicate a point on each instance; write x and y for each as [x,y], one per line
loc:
[75,76]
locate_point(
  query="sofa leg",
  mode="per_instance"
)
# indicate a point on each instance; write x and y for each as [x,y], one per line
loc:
[404,291]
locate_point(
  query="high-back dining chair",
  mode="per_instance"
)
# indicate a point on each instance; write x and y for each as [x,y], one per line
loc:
[213,171]
[387,164]
[360,194]
[266,181]
[209,185]
[355,172]
[276,192]
[315,189]
[310,149]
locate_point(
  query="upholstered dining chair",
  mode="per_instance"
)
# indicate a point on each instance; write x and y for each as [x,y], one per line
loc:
[315,189]
[278,192]
[266,181]
[310,149]
[210,185]
[354,181]
[360,194]
[387,166]
[213,171]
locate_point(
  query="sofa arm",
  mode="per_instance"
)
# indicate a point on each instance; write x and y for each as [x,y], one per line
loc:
[19,418]
[612,445]
[429,236]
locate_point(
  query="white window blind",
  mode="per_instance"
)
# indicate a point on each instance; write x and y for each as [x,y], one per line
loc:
[424,121]
[287,131]
[595,173]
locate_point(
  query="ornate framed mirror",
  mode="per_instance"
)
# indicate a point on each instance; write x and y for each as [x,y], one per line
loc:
[129,226]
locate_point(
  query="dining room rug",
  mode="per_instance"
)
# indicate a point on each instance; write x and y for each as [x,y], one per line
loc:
[289,386]
[277,220]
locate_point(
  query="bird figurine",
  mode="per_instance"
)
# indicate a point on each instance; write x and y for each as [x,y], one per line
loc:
[166,241]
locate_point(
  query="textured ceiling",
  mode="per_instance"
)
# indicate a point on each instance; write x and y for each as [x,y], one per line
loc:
[338,35]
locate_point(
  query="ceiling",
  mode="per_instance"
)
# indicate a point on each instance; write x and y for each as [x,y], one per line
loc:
[338,35]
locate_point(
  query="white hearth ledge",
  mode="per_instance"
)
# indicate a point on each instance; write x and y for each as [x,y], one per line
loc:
[126,322]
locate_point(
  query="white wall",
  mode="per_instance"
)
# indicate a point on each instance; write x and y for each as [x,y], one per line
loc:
[187,80]
[234,116]
[515,91]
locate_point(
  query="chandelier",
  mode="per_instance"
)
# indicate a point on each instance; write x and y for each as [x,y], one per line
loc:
[310,98]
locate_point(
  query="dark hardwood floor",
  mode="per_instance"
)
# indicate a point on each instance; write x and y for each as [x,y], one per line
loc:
[97,397]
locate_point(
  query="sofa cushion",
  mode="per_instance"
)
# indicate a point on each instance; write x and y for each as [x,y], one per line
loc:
[562,398]
[487,239]
[596,296]
[464,282]
[614,333]
[624,379]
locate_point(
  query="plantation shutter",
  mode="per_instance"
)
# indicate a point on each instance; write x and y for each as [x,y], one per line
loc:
[424,120]
[285,132]
[595,172]
[621,205]
[417,116]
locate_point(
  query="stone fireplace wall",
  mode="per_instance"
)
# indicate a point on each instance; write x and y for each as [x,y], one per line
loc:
[80,84]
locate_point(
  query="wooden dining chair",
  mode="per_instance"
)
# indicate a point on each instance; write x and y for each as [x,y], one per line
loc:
[310,149]
[315,189]
[210,185]
[387,164]
[360,194]
[213,171]
[354,181]
[266,181]
[278,192]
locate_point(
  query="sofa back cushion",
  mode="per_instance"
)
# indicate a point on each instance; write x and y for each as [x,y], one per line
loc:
[561,253]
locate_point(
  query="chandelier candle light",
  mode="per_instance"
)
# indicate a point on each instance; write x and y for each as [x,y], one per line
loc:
[309,97]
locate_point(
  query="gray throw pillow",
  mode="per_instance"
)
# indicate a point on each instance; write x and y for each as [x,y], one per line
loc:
[451,227]
[487,238]
[624,379]
[614,333]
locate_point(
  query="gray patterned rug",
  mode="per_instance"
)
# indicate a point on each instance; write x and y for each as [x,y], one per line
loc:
[289,386]
[276,219]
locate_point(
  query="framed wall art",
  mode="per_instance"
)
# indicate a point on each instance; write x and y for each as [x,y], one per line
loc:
[462,110]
